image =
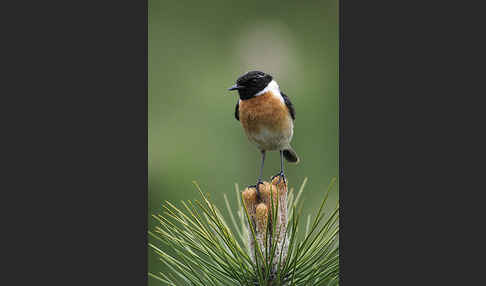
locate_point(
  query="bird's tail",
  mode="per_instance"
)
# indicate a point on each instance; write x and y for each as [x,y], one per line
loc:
[291,156]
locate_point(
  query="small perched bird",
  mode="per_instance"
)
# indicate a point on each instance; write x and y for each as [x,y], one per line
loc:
[267,116]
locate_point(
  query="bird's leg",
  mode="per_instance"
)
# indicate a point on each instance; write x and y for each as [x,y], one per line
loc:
[281,174]
[261,168]
[261,174]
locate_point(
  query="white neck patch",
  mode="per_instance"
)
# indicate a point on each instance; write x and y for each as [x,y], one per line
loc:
[274,89]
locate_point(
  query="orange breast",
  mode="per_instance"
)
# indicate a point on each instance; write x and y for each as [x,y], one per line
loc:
[265,112]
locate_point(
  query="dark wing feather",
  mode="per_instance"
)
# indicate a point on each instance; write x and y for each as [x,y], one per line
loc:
[289,104]
[237,111]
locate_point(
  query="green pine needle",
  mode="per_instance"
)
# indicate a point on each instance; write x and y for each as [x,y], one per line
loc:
[202,250]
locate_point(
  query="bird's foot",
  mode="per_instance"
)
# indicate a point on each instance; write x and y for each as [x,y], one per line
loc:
[281,176]
[257,187]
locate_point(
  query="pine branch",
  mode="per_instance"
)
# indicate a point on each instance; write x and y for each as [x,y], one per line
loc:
[202,250]
[267,213]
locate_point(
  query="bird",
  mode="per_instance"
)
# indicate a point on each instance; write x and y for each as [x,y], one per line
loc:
[267,116]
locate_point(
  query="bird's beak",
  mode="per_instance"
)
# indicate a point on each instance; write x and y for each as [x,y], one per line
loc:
[236,87]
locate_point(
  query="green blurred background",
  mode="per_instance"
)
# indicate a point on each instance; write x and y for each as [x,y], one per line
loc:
[197,49]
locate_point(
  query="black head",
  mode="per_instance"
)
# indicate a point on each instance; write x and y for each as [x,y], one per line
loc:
[251,83]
